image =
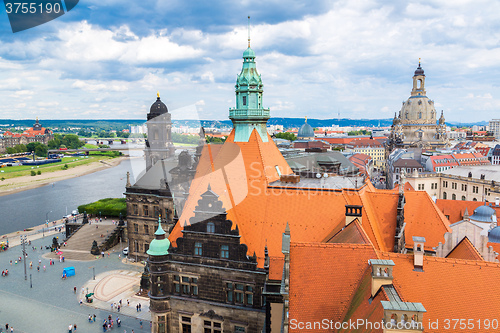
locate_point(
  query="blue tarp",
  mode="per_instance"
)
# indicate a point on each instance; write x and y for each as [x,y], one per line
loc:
[70,271]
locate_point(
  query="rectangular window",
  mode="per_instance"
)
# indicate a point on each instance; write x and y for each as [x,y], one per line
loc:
[211,326]
[224,251]
[238,293]
[186,324]
[145,210]
[146,229]
[135,209]
[198,249]
[244,100]
[156,210]
[146,247]
[162,324]
[185,285]
[239,329]
[229,292]
[136,228]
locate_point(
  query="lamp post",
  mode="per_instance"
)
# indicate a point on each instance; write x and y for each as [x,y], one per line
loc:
[23,242]
[46,222]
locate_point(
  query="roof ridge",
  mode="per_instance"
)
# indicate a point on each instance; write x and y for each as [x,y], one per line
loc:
[467,262]
[330,245]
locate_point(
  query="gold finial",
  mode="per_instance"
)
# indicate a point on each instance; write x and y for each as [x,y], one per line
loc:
[248,31]
[419,61]
[306,119]
[158,94]
[36,119]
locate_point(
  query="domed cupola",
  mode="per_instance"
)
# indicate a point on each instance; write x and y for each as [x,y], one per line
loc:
[305,131]
[484,214]
[419,70]
[160,244]
[157,108]
[494,235]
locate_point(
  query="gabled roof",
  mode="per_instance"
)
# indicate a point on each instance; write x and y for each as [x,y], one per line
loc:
[324,279]
[465,250]
[353,233]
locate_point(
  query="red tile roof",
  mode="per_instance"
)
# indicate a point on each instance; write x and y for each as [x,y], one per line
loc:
[455,209]
[324,279]
[465,250]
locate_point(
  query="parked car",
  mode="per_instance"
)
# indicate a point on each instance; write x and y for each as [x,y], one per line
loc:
[125,251]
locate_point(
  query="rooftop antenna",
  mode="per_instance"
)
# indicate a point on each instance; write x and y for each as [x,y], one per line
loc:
[248,31]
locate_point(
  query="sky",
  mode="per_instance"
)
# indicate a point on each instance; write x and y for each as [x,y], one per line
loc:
[321,59]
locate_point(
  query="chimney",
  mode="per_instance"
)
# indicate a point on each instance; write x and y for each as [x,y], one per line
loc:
[381,273]
[352,212]
[418,253]
[497,201]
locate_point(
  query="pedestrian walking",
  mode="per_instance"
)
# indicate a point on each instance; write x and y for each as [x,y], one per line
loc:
[38,268]
[70,328]
[81,301]
[118,308]
[74,289]
[140,322]
[90,318]
[74,327]
[140,307]
[44,268]
[94,317]
[137,307]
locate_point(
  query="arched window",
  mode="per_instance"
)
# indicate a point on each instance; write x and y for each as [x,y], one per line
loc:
[444,195]
[474,199]
[210,227]
[453,197]
[463,197]
[420,115]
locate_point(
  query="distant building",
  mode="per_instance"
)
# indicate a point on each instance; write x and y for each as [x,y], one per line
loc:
[305,132]
[159,143]
[495,128]
[416,126]
[37,133]
[370,147]
[466,183]
[495,155]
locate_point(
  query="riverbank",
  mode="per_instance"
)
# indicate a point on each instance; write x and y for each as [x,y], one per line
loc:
[18,184]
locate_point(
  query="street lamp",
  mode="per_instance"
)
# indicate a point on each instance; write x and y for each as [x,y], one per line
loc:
[46,222]
[23,242]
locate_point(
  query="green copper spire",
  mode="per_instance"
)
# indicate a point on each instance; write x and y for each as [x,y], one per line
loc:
[160,245]
[249,113]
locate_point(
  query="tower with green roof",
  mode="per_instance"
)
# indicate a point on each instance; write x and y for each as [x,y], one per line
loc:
[249,113]
[158,292]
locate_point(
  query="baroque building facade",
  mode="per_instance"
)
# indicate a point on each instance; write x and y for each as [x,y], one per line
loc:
[416,125]
[37,133]
[207,283]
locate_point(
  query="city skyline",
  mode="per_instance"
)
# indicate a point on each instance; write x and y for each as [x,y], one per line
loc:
[356,58]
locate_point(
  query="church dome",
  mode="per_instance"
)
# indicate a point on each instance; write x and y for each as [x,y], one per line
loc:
[419,70]
[494,235]
[160,245]
[306,131]
[483,214]
[157,108]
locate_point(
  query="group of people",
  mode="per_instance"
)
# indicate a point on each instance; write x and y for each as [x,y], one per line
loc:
[108,324]
[5,272]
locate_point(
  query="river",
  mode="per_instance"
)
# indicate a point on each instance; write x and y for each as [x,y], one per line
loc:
[29,208]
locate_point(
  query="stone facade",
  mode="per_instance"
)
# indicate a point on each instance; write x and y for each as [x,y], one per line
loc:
[207,283]
[144,206]
[416,124]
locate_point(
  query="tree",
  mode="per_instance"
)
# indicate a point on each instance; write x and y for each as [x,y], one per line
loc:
[54,143]
[20,148]
[10,150]
[72,141]
[286,135]
[39,148]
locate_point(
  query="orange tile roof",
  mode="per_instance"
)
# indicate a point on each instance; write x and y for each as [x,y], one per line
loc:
[240,173]
[466,291]
[496,248]
[455,209]
[360,309]
[465,250]
[324,278]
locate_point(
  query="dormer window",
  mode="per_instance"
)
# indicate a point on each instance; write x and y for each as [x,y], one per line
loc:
[210,228]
